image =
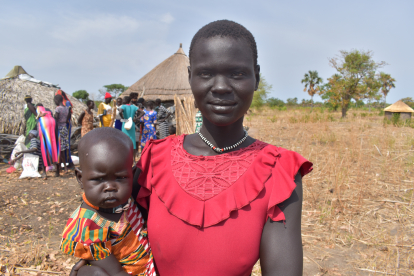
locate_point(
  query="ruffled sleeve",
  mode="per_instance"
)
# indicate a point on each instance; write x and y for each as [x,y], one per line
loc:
[289,163]
[84,239]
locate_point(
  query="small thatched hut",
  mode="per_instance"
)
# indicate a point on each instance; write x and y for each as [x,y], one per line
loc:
[14,87]
[167,79]
[400,108]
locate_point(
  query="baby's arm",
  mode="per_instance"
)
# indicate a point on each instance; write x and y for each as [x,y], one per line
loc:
[111,265]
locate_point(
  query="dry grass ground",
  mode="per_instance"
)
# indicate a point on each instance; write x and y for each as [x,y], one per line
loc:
[358,204]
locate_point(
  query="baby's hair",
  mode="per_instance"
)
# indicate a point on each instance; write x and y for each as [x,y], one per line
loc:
[59,98]
[225,28]
[88,102]
[107,135]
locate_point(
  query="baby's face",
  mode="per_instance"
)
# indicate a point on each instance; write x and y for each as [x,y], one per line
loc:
[106,175]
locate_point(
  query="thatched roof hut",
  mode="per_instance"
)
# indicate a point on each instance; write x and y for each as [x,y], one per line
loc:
[12,92]
[167,79]
[400,108]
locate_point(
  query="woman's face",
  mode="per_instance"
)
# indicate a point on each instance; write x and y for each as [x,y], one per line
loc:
[119,102]
[107,101]
[223,78]
[91,105]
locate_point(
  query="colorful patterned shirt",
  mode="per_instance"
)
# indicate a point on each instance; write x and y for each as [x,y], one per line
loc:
[89,236]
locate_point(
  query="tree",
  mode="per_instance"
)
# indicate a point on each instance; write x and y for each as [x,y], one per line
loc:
[114,89]
[260,95]
[272,102]
[81,95]
[312,82]
[408,101]
[387,82]
[356,71]
[292,101]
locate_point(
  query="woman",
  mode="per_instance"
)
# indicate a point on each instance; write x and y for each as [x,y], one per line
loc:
[116,118]
[149,120]
[62,117]
[128,111]
[105,111]
[86,118]
[163,116]
[30,117]
[49,143]
[67,157]
[219,200]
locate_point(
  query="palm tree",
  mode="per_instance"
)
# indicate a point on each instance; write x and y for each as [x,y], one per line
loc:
[312,82]
[387,82]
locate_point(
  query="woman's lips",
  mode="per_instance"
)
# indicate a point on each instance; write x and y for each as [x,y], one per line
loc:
[222,107]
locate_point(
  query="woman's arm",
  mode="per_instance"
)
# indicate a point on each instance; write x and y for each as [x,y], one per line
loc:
[32,109]
[281,250]
[69,115]
[80,119]
[138,115]
[121,112]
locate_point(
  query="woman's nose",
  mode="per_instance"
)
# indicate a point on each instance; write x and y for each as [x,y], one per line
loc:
[221,85]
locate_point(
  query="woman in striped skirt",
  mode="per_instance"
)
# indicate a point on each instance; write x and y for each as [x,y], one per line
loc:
[163,115]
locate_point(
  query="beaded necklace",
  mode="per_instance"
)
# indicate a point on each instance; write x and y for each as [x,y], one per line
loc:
[219,150]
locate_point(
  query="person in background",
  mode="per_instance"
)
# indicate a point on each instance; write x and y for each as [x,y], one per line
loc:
[105,111]
[86,118]
[48,134]
[66,102]
[62,115]
[149,121]
[116,118]
[138,124]
[30,117]
[163,115]
[172,131]
[34,148]
[199,121]
[134,97]
[128,111]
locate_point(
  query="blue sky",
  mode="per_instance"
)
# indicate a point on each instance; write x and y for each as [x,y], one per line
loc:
[88,44]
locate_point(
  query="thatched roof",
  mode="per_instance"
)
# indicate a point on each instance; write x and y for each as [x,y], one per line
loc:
[166,79]
[17,70]
[12,92]
[399,106]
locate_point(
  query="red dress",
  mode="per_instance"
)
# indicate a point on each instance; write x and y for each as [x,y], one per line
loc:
[208,212]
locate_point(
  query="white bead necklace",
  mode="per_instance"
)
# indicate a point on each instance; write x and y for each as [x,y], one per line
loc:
[219,150]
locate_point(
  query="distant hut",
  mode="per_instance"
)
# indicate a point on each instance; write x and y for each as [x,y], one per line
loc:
[399,108]
[14,87]
[167,79]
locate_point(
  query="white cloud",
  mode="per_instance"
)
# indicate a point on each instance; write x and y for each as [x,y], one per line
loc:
[167,18]
[74,28]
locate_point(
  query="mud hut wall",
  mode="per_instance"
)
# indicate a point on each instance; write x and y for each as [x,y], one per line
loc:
[405,116]
[388,115]
[12,93]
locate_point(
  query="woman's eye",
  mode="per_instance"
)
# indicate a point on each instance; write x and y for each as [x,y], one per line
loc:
[238,74]
[204,74]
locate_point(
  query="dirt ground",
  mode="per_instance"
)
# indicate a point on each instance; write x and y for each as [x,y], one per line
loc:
[358,202]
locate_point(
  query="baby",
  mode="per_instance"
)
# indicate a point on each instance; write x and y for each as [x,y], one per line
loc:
[107,229]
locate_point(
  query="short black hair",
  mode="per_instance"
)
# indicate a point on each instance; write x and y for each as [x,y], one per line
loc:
[59,98]
[225,28]
[88,102]
[140,100]
[127,99]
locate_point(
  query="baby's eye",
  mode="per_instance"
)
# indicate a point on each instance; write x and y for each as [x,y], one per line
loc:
[121,177]
[100,179]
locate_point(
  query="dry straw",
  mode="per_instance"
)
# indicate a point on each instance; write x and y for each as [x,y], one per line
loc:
[167,79]
[184,114]
[12,93]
